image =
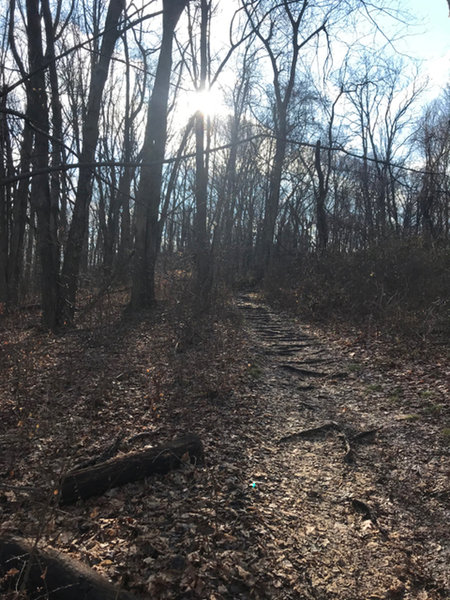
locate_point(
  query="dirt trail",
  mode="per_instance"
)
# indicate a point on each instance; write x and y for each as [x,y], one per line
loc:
[326,476]
[349,499]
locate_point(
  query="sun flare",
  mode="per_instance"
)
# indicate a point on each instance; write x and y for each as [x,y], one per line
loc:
[209,102]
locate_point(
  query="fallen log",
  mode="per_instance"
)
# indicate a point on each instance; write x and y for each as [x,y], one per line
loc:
[107,453]
[50,574]
[97,479]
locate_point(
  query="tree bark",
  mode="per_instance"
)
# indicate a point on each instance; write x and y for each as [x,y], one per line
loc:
[47,239]
[80,218]
[321,194]
[148,196]
[94,481]
[203,275]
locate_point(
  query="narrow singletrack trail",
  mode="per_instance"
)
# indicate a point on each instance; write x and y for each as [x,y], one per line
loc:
[338,509]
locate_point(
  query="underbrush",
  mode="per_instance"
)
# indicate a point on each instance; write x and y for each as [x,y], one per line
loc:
[399,289]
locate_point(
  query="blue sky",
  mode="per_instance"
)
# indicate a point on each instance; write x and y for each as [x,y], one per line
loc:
[429,39]
[425,38]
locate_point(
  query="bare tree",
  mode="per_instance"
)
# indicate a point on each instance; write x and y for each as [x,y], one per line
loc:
[433,137]
[279,29]
[382,100]
[203,266]
[148,195]
[80,217]
[41,199]
[229,182]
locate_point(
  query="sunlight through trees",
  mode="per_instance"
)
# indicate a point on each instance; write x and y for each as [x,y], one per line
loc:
[235,134]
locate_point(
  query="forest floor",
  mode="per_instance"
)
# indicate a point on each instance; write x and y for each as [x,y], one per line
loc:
[327,460]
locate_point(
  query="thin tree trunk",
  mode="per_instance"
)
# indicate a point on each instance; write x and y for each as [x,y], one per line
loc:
[322,225]
[57,185]
[3,244]
[20,201]
[4,207]
[202,259]
[126,177]
[273,198]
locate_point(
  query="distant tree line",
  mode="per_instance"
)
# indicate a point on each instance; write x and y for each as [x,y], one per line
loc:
[321,145]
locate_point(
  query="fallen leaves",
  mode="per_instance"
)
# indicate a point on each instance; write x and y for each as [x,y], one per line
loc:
[260,520]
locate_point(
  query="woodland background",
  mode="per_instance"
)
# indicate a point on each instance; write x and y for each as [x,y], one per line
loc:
[296,149]
[228,220]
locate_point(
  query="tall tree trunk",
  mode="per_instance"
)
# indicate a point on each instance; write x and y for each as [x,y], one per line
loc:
[273,198]
[203,280]
[80,218]
[3,246]
[58,155]
[4,206]
[21,190]
[126,177]
[40,190]
[29,269]
[148,195]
